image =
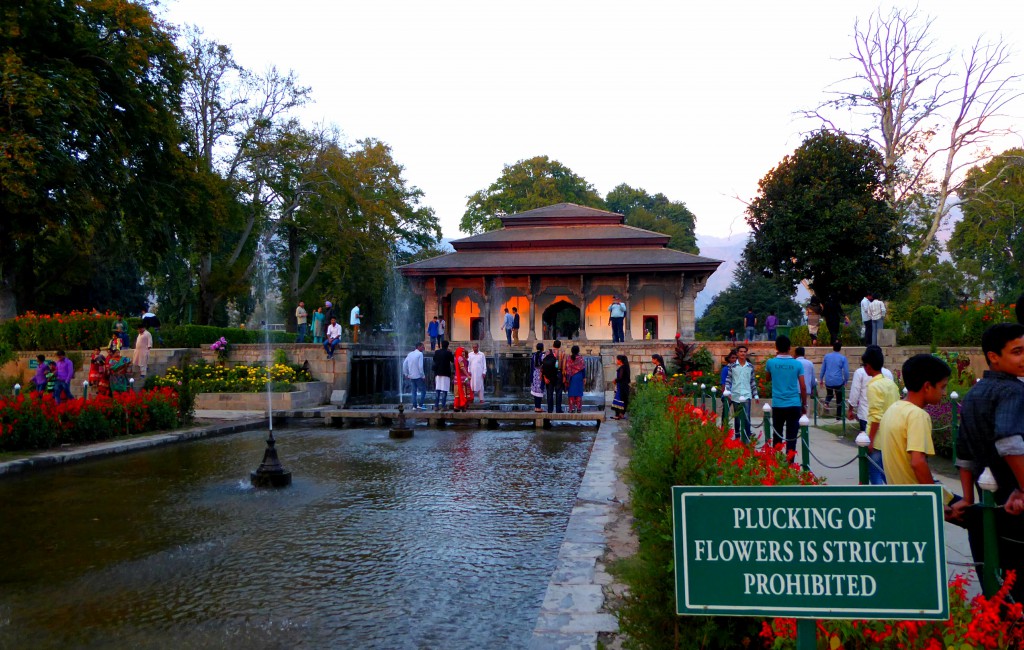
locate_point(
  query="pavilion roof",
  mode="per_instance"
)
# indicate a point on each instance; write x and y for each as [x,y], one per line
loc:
[561,239]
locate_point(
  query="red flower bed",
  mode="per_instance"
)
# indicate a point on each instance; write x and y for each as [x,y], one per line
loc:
[37,422]
[76,330]
[992,624]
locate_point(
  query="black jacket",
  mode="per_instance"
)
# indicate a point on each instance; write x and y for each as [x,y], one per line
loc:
[443,361]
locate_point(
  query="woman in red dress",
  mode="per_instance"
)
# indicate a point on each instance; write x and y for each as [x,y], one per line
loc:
[463,395]
[98,374]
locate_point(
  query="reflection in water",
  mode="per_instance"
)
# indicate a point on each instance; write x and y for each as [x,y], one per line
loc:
[444,540]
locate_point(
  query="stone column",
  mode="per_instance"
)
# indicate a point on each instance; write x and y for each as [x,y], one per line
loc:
[486,307]
[584,299]
[534,283]
[629,311]
[689,287]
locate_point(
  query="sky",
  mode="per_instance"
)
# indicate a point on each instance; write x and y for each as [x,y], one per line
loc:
[697,101]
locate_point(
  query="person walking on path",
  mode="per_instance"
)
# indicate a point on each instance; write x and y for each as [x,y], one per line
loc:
[442,328]
[432,332]
[749,324]
[62,381]
[477,372]
[882,393]
[39,379]
[318,325]
[835,373]
[741,386]
[865,316]
[537,380]
[333,338]
[808,367]
[617,319]
[833,319]
[412,368]
[508,325]
[771,325]
[858,401]
[573,373]
[143,344]
[620,403]
[515,325]
[355,318]
[300,323]
[877,311]
[905,432]
[789,394]
[443,361]
[813,319]
[992,435]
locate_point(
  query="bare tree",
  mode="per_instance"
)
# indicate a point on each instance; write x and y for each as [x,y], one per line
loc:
[929,115]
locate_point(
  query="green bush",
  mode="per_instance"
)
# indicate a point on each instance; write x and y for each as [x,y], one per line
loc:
[922,322]
[948,329]
[799,336]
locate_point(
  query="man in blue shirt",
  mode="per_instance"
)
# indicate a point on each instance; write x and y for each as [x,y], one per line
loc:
[835,372]
[750,322]
[808,370]
[617,319]
[789,394]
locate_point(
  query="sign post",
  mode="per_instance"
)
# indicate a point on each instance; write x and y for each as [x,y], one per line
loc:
[811,552]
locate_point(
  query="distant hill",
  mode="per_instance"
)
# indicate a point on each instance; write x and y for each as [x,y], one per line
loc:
[727,249]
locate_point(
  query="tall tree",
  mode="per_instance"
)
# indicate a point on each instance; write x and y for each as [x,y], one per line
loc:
[930,118]
[528,184]
[748,290]
[235,120]
[821,216]
[990,237]
[655,213]
[88,133]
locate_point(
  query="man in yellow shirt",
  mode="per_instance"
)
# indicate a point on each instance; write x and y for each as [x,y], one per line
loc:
[882,393]
[905,432]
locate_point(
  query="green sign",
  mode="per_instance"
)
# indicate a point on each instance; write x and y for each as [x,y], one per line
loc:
[811,552]
[33,364]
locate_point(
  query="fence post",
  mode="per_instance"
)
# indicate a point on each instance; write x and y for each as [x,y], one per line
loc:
[703,396]
[990,540]
[863,440]
[954,423]
[131,383]
[766,425]
[814,403]
[695,394]
[725,408]
[85,389]
[841,406]
[714,401]
[805,437]
[17,389]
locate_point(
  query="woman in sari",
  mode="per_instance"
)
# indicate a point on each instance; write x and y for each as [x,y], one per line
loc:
[659,373]
[98,374]
[537,381]
[574,370]
[621,401]
[119,368]
[463,395]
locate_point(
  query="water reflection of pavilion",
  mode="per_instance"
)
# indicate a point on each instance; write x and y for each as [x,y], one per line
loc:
[560,266]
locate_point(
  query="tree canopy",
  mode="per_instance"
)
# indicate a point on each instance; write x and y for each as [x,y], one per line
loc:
[821,216]
[989,240]
[89,134]
[655,212]
[528,184]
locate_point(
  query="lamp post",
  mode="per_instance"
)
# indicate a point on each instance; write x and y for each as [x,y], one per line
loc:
[990,541]
[17,389]
[863,440]
[85,389]
[703,395]
[954,422]
[766,425]
[805,438]
[131,383]
[714,401]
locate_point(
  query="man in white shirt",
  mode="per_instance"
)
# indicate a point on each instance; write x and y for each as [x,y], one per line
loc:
[617,319]
[865,316]
[143,343]
[413,371]
[300,323]
[333,338]
[354,320]
[876,310]
[477,372]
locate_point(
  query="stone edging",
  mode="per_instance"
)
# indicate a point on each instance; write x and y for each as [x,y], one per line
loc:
[573,612]
[115,447]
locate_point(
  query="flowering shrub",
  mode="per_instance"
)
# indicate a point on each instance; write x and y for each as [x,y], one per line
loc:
[679,444]
[76,330]
[222,348]
[35,421]
[979,623]
[206,378]
[964,326]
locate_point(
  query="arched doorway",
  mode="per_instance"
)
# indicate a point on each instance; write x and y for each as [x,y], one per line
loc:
[561,320]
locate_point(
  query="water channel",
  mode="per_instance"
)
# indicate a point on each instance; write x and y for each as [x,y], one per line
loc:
[446,540]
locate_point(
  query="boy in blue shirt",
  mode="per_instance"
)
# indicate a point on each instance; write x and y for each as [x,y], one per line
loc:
[835,373]
[789,394]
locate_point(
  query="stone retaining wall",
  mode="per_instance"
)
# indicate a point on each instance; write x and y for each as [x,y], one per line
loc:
[307,394]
